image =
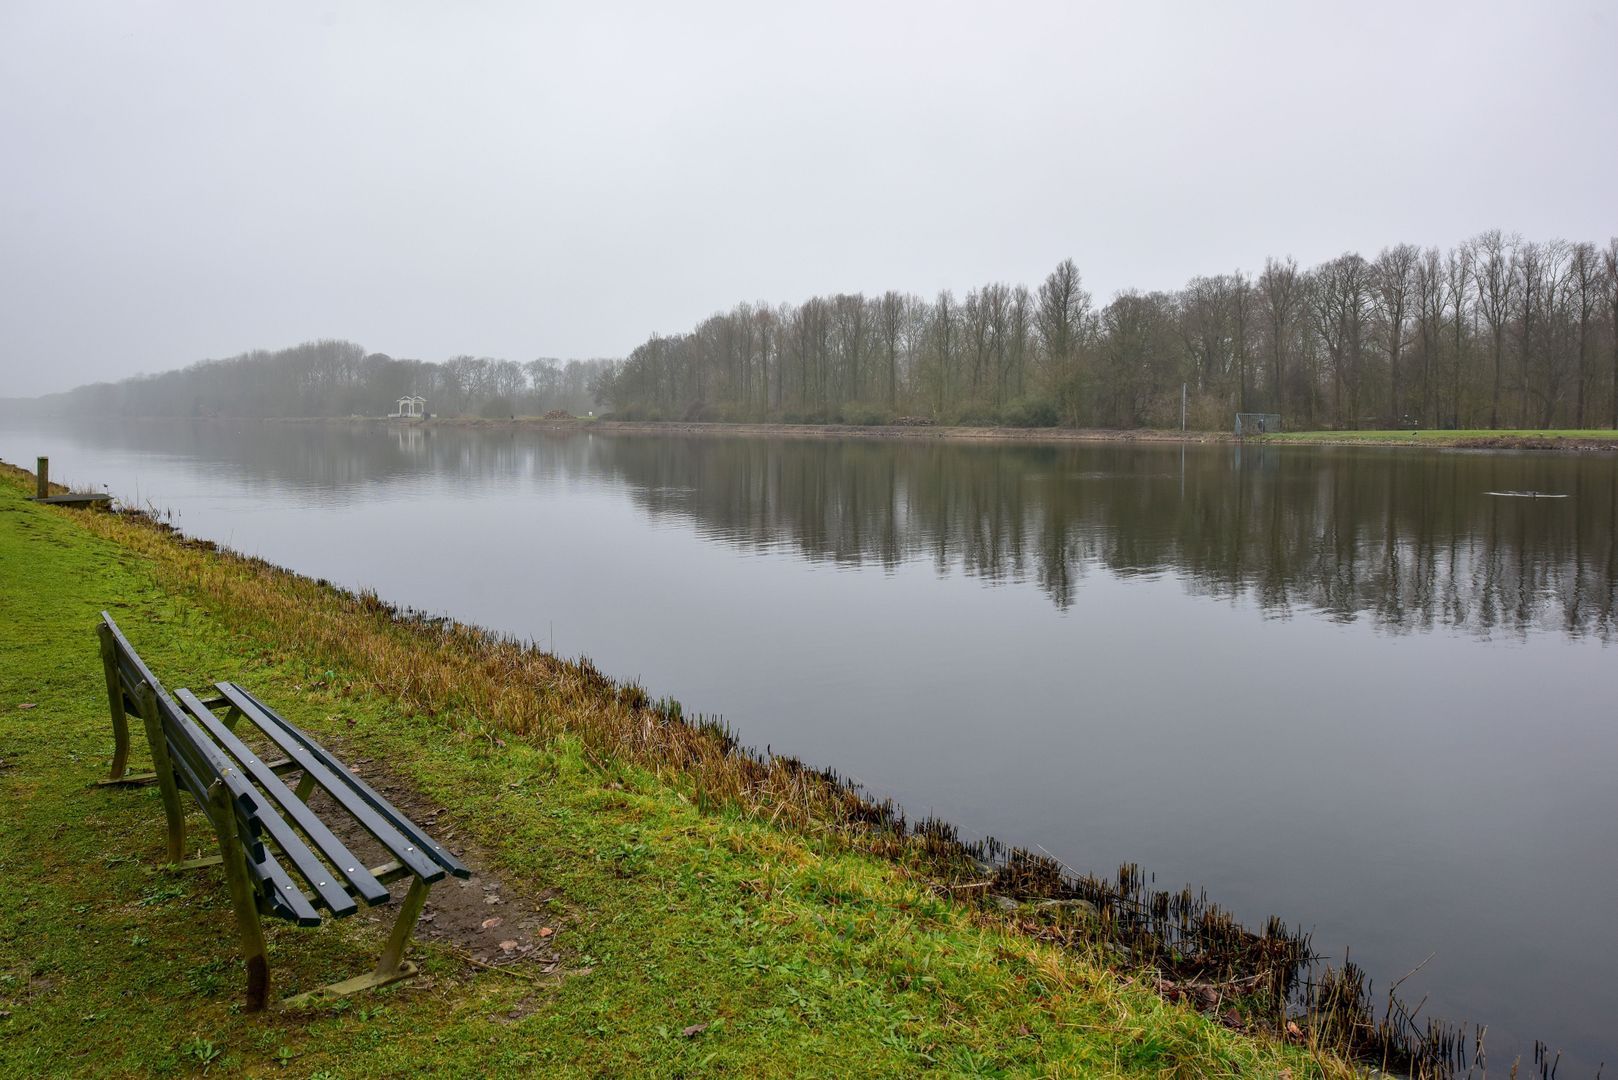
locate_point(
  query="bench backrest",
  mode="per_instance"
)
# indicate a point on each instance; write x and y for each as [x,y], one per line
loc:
[195,762]
[126,664]
[185,758]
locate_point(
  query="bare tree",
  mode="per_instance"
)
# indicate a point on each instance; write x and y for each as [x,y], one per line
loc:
[1205,329]
[849,317]
[1494,270]
[890,325]
[1610,257]
[917,325]
[1020,328]
[1394,271]
[1457,287]
[941,355]
[1529,270]
[1279,287]
[1063,309]
[1429,291]
[1588,290]
[766,327]
[1339,301]
[997,310]
[1548,348]
[1133,356]
[1241,314]
[975,316]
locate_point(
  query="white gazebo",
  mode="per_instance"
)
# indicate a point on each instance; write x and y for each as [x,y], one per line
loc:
[410,407]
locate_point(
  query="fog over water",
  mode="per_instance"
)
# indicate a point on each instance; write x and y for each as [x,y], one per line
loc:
[1345,686]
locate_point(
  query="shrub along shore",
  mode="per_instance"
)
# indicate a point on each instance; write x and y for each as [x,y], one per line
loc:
[713,911]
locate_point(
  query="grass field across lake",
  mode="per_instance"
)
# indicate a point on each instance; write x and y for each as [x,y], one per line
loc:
[1504,437]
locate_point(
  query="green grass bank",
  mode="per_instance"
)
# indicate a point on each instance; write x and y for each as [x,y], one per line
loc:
[1475,438]
[698,931]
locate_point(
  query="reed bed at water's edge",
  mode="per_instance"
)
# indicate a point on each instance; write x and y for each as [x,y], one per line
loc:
[495,687]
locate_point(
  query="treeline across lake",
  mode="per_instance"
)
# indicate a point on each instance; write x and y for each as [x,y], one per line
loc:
[339,378]
[1496,332]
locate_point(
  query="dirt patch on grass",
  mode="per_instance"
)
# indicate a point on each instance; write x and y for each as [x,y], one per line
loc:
[484,920]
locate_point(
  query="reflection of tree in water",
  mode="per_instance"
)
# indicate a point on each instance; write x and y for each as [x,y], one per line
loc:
[1409,538]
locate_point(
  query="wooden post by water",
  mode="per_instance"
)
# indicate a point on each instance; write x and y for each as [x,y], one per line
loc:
[42,477]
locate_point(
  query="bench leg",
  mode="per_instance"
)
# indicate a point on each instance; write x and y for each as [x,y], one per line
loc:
[165,773]
[393,953]
[254,953]
[390,968]
[120,718]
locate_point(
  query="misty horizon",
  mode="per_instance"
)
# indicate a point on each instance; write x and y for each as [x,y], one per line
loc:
[1513,242]
[514,182]
[296,342]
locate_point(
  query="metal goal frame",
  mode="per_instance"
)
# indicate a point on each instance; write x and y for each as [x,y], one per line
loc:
[1255,423]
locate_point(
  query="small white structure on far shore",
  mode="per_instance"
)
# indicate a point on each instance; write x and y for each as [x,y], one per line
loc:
[410,407]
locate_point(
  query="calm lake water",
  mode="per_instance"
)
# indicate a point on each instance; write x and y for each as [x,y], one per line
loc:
[1345,686]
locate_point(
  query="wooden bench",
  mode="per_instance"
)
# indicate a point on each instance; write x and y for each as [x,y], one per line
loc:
[266,831]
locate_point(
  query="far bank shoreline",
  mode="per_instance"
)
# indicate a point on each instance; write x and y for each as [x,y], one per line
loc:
[776,430]
[1549,440]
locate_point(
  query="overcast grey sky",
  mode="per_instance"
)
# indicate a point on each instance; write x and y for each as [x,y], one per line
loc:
[190,180]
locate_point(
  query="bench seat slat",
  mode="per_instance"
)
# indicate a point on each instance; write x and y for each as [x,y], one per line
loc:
[343,861]
[281,895]
[433,849]
[196,760]
[333,776]
[322,880]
